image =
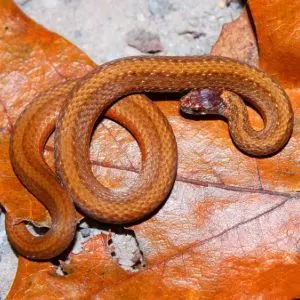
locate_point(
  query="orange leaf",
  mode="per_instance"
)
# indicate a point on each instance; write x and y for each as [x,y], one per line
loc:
[277,24]
[229,230]
[31,60]
[237,41]
[13,193]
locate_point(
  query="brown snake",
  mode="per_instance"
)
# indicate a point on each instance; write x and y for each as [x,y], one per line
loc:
[80,103]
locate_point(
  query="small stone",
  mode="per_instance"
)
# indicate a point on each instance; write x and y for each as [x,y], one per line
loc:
[226,3]
[83,224]
[144,41]
[159,7]
[77,34]
[194,33]
[85,232]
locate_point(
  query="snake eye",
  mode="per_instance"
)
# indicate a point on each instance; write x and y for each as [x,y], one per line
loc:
[196,111]
[199,111]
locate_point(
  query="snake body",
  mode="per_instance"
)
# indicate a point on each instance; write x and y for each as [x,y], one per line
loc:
[86,99]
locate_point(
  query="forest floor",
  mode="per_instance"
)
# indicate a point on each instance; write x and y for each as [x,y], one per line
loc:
[110,29]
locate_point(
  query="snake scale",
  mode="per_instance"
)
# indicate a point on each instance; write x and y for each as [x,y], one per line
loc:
[73,108]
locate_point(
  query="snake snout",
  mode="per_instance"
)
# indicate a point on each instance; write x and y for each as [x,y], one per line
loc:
[202,102]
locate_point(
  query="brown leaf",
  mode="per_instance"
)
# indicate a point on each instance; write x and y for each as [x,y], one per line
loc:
[13,193]
[277,26]
[31,60]
[237,40]
[229,229]
[198,246]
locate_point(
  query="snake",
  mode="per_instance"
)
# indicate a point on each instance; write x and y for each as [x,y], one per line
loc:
[211,84]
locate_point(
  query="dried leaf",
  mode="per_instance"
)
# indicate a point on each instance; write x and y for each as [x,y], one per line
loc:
[237,40]
[229,229]
[277,24]
[13,193]
[31,61]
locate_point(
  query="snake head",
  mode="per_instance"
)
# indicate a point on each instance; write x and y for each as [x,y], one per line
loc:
[203,102]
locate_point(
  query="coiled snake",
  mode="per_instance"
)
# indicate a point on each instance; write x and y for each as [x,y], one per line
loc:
[73,107]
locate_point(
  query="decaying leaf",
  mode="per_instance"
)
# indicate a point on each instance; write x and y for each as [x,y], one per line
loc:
[13,193]
[277,24]
[237,40]
[31,61]
[229,230]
